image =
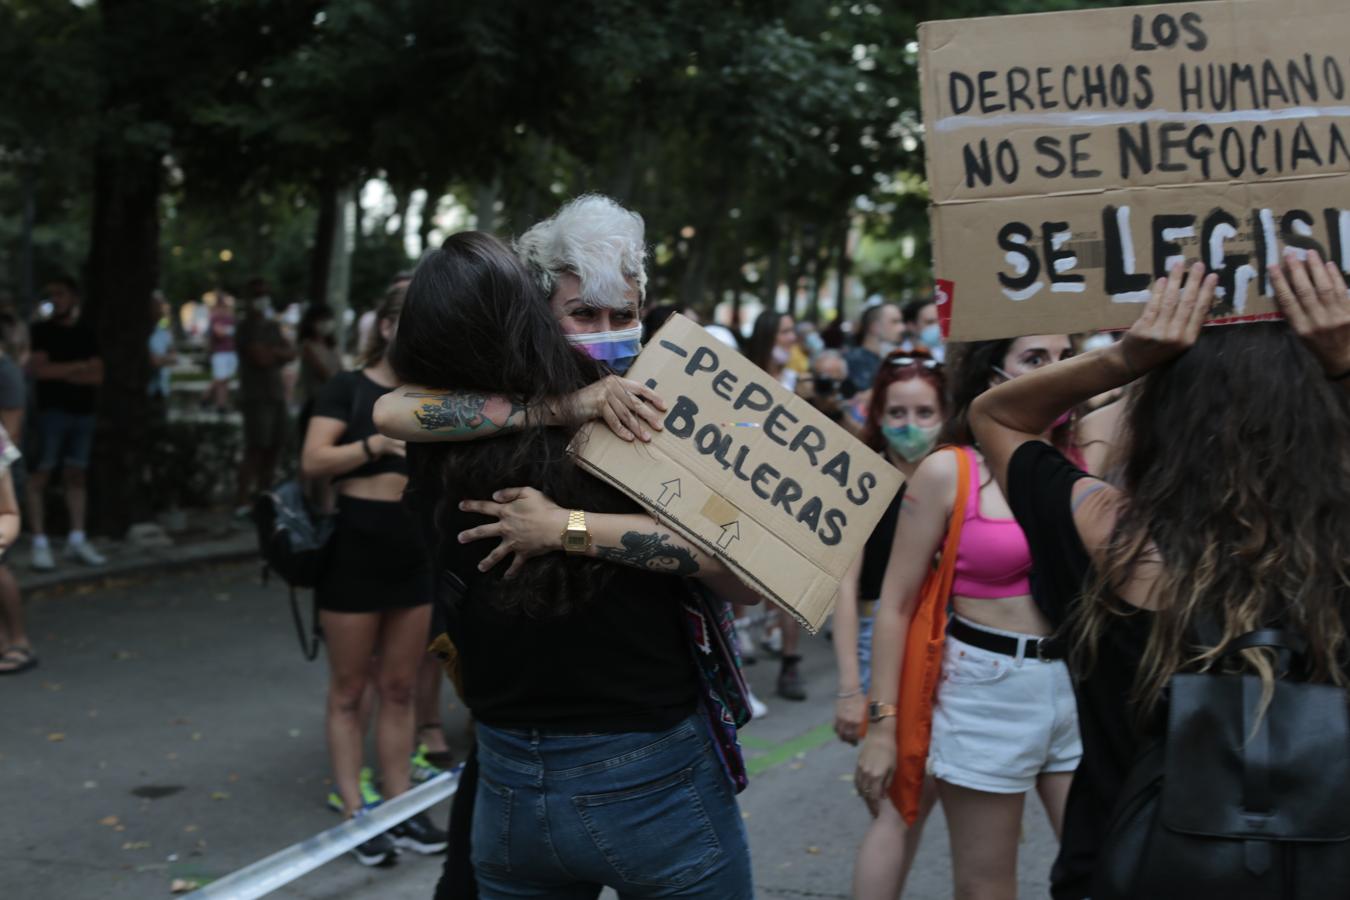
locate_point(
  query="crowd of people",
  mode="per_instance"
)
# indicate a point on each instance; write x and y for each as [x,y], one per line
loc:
[1031,546]
[1084,520]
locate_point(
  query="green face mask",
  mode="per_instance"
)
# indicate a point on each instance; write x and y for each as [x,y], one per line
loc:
[910,441]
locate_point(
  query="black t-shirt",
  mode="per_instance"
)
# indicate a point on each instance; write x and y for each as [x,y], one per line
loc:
[877,552]
[351,396]
[1040,492]
[65,343]
[618,663]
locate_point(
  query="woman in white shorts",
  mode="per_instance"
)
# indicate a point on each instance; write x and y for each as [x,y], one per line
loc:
[1004,720]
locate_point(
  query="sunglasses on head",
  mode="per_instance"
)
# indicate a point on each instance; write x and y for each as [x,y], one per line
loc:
[915,362]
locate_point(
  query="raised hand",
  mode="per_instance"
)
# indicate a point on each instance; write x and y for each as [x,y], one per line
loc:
[1313,297]
[1171,322]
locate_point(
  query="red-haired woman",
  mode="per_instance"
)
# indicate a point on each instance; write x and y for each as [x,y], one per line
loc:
[904,416]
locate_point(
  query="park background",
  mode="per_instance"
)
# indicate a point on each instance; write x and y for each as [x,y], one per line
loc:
[774,147]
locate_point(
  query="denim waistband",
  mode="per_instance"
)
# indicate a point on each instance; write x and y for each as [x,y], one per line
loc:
[537,752]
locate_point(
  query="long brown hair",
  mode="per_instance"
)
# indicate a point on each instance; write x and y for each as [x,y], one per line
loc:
[391,306]
[1237,482]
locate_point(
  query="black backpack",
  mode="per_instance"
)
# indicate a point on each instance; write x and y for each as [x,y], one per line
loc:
[294,542]
[1231,806]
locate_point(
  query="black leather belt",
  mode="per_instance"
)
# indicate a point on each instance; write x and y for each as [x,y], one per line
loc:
[1046,649]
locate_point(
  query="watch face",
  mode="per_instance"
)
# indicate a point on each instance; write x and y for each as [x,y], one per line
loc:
[576,542]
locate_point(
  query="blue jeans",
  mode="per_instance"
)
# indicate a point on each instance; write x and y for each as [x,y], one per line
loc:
[648,814]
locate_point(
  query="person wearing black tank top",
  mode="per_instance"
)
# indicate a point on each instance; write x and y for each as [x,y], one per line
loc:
[1231,505]
[904,415]
[374,593]
[595,767]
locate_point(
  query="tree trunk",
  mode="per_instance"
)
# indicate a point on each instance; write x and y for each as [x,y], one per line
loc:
[123,271]
[843,265]
[325,231]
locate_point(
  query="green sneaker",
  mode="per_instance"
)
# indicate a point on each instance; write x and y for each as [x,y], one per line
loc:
[370,795]
[423,769]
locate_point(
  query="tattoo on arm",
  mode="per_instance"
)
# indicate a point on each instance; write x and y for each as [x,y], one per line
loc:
[462,411]
[652,552]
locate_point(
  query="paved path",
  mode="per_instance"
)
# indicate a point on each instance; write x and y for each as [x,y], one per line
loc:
[174,731]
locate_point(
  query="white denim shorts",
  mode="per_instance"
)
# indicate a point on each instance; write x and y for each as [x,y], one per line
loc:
[1001,721]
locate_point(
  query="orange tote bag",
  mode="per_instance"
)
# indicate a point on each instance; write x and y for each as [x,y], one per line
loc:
[923,659]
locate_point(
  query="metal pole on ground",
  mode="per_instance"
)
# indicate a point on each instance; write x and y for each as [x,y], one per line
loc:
[284,866]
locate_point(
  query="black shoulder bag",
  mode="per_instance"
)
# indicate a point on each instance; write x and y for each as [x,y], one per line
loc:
[1233,803]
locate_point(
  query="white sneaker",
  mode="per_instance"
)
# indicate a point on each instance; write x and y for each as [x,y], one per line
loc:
[757,708]
[85,553]
[773,641]
[41,559]
[745,644]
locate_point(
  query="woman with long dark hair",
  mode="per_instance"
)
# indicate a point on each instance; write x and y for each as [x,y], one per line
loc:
[375,591]
[1003,722]
[594,768]
[1232,511]
[904,418]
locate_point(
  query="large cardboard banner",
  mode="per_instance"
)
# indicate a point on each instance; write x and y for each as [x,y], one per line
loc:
[748,470]
[1072,157]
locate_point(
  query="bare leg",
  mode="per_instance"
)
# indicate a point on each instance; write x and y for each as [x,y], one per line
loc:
[248,474]
[77,495]
[984,830]
[888,850]
[37,489]
[403,635]
[430,677]
[1054,791]
[11,611]
[351,639]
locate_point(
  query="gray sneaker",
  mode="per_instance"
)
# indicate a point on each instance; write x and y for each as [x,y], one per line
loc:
[41,559]
[85,553]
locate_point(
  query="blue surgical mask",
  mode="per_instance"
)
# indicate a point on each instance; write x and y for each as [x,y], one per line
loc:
[911,441]
[814,343]
[931,335]
[616,349]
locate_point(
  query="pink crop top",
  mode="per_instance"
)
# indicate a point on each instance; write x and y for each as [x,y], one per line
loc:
[993,560]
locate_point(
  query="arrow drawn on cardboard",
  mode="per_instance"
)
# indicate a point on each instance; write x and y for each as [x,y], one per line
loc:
[730,532]
[669,491]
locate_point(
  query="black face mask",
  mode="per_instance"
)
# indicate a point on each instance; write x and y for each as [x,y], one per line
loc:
[828,387]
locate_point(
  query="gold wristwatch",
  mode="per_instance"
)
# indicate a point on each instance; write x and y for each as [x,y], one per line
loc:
[878,711]
[575,538]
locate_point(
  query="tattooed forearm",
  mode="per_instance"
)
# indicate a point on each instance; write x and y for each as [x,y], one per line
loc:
[653,552]
[461,412]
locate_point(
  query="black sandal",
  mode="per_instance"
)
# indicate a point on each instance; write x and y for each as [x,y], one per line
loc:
[23,659]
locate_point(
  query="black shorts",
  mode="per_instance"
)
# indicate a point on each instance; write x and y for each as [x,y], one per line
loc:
[377,560]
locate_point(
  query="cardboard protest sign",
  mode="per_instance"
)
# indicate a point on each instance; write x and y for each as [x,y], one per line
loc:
[747,470]
[1072,157]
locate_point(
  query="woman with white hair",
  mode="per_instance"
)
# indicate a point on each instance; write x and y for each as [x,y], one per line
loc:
[589,258]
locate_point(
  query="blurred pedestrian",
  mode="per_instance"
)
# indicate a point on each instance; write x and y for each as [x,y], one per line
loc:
[922,332]
[879,332]
[375,592]
[68,370]
[829,389]
[319,356]
[221,351]
[770,347]
[263,353]
[16,647]
[163,356]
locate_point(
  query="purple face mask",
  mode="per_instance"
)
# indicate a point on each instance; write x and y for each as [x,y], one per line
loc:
[616,349]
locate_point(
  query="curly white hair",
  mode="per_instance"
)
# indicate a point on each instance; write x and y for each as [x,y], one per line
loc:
[595,239]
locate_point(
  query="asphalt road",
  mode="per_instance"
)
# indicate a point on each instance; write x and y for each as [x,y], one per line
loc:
[173,731]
